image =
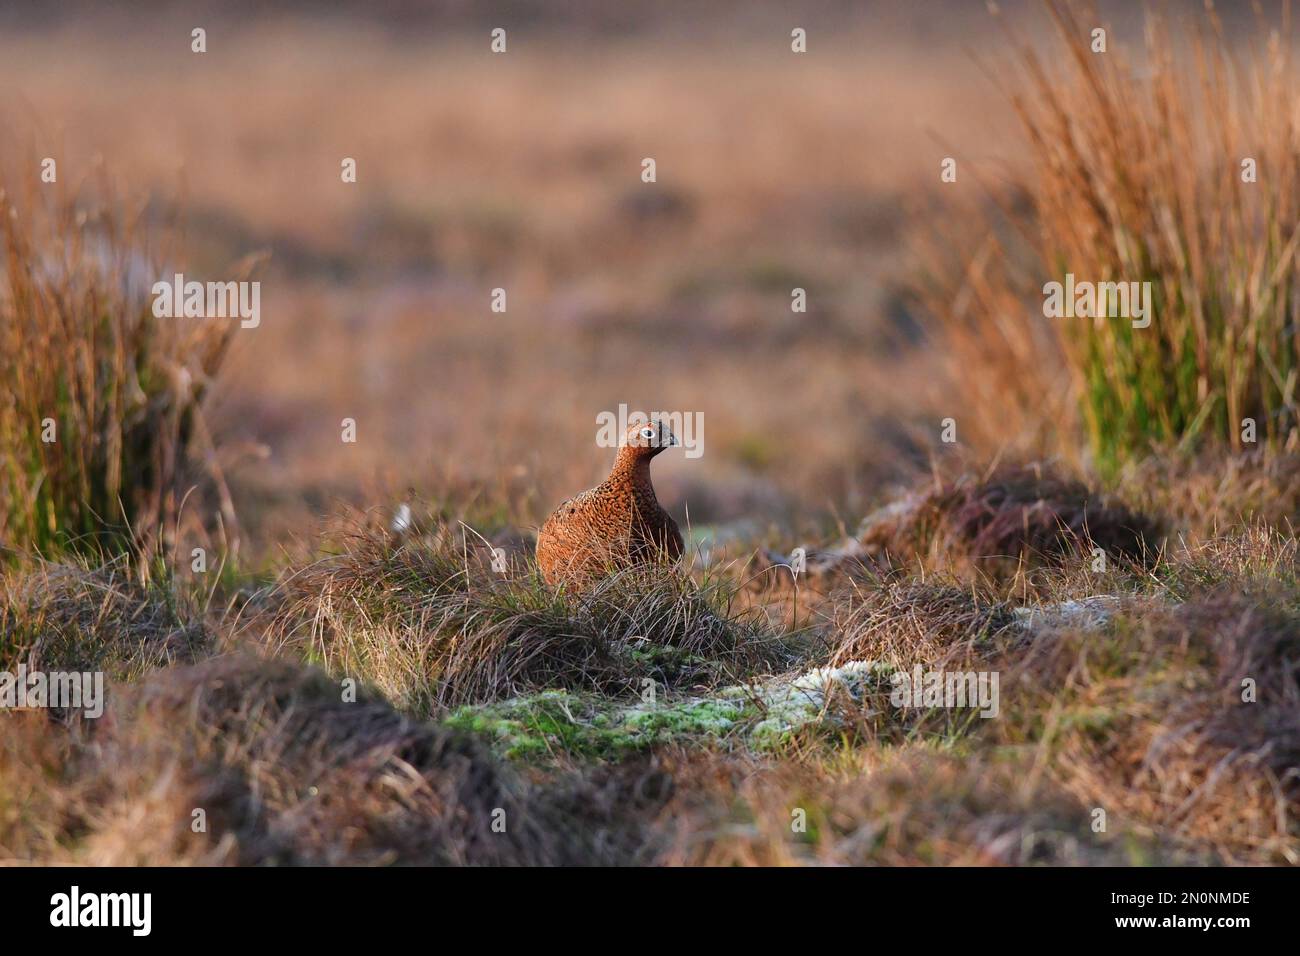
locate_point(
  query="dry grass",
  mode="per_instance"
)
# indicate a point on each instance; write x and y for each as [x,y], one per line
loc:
[431,623]
[1012,518]
[1148,722]
[286,772]
[912,807]
[70,617]
[903,621]
[1204,494]
[1141,718]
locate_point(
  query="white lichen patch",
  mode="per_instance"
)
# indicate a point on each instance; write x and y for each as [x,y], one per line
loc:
[810,698]
[1086,614]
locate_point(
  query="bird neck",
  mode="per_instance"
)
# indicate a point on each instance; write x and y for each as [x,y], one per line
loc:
[634,470]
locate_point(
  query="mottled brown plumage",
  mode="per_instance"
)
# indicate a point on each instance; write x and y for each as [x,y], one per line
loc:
[617,524]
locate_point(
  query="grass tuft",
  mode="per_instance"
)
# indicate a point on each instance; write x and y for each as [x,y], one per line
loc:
[1016,517]
[432,623]
[73,617]
[100,410]
[1137,177]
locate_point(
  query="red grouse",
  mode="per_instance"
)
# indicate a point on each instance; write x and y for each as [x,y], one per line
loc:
[616,525]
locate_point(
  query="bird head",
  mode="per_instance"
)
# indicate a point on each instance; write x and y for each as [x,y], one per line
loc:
[647,439]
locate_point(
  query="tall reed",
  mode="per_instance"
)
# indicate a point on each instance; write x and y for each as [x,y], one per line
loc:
[98,397]
[1139,171]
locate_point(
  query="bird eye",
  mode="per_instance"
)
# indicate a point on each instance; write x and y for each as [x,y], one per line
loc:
[648,433]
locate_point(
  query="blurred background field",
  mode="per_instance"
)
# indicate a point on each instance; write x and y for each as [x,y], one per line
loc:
[522,171]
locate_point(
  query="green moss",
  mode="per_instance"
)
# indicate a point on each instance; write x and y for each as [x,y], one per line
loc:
[707,717]
[528,727]
[554,723]
[761,717]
